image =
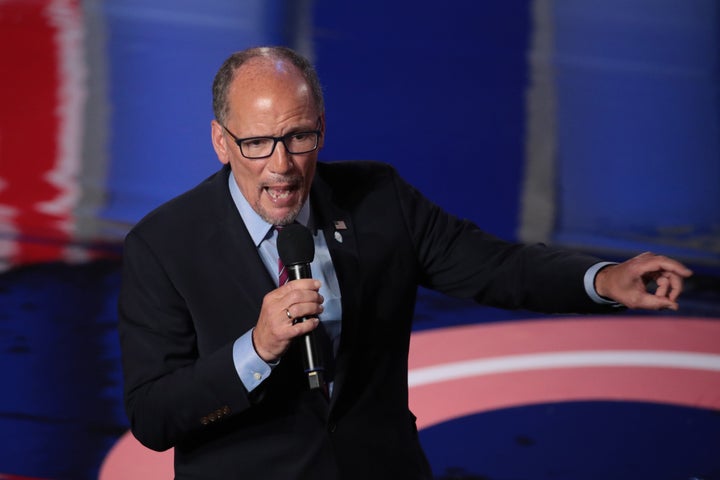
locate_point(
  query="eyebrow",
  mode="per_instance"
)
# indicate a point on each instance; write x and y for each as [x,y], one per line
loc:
[292,131]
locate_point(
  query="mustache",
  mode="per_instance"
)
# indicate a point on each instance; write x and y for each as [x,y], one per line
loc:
[293,180]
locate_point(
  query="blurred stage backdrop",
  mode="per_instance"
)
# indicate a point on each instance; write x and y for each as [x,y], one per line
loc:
[593,125]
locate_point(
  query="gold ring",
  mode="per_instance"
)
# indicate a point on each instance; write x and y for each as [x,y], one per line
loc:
[287,312]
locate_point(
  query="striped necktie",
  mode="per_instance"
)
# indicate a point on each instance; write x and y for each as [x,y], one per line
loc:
[283,276]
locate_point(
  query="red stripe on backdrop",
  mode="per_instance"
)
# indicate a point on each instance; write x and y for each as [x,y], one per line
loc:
[35,217]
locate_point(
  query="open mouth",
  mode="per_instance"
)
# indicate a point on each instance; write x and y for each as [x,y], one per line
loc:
[278,194]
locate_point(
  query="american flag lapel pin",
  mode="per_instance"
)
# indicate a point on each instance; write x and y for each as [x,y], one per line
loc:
[339,225]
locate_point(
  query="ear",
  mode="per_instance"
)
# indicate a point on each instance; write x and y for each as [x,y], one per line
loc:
[219,142]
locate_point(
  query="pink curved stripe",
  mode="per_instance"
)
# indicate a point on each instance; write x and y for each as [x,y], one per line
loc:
[440,402]
[564,333]
[130,459]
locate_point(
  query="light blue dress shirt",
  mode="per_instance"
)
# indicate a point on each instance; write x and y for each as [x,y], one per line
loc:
[252,369]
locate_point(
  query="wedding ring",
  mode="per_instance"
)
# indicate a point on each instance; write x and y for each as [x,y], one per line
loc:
[287,312]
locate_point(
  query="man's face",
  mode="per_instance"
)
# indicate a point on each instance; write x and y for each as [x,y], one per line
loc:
[270,98]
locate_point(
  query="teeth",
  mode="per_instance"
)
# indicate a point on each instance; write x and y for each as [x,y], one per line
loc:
[277,195]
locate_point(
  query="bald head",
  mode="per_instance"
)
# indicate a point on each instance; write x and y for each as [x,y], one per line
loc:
[268,63]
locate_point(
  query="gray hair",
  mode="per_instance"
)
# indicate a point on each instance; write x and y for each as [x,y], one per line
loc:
[226,74]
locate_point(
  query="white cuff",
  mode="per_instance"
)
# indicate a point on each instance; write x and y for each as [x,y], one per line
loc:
[251,369]
[589,282]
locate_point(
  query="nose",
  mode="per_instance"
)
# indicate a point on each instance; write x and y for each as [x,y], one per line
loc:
[280,161]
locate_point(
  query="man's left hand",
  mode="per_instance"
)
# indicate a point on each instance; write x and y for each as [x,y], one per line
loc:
[627,282]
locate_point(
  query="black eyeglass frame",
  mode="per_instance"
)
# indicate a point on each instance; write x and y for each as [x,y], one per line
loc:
[238,141]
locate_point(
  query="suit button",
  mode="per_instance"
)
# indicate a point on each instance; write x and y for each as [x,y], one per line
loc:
[212,417]
[204,420]
[226,410]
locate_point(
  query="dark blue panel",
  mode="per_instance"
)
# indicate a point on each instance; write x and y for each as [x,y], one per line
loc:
[61,406]
[639,125]
[578,440]
[437,90]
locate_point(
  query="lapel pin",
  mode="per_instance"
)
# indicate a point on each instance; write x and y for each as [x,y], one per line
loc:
[338,237]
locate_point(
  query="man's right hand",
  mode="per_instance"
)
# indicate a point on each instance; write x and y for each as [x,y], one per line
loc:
[276,326]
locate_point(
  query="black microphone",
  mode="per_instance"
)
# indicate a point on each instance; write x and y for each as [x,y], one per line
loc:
[297,249]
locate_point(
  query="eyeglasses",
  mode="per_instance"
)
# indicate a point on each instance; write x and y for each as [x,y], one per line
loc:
[296,143]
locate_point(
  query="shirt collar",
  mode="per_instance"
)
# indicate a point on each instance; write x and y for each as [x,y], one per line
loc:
[258,227]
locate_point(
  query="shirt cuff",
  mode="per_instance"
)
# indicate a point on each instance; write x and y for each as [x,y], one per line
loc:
[251,369]
[589,281]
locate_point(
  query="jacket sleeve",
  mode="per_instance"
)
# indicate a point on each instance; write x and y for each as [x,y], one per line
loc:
[170,391]
[457,258]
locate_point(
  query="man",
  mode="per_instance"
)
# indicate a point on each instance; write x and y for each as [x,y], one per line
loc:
[210,362]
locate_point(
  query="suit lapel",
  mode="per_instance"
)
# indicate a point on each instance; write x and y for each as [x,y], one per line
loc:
[338,229]
[230,239]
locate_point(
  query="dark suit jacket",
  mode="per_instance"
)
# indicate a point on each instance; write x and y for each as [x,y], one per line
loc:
[193,282]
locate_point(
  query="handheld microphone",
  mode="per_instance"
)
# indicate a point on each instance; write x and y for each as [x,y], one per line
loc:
[297,250]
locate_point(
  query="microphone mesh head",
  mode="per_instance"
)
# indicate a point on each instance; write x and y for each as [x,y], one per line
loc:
[295,244]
